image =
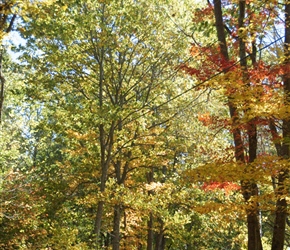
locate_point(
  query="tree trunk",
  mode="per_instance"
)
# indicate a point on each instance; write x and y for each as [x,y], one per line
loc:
[251,188]
[160,241]
[248,188]
[98,221]
[280,216]
[281,203]
[103,160]
[116,227]
[160,238]
[106,140]
[106,149]
[150,233]
[2,83]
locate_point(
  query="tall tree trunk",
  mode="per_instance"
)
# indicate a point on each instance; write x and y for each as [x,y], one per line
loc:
[160,238]
[239,148]
[105,141]
[281,203]
[248,188]
[102,141]
[2,83]
[116,227]
[150,234]
[120,177]
[98,221]
[117,211]
[106,145]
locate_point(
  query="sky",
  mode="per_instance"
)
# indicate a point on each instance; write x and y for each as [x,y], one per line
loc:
[14,39]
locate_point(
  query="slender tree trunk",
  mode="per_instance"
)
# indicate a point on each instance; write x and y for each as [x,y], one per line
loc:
[104,169]
[239,148]
[117,212]
[106,140]
[281,203]
[2,82]
[160,239]
[116,227]
[251,188]
[105,145]
[150,234]
[280,215]
[98,220]
[248,188]
[120,177]
[102,141]
[106,150]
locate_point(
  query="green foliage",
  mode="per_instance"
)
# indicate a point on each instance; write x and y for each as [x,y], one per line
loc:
[99,119]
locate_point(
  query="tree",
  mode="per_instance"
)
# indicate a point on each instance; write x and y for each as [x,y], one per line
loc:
[118,148]
[9,10]
[7,20]
[111,83]
[245,91]
[19,224]
[283,176]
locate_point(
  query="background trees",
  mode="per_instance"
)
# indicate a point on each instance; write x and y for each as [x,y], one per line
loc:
[140,130]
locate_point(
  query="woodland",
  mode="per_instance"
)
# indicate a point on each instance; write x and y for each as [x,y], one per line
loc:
[144,124]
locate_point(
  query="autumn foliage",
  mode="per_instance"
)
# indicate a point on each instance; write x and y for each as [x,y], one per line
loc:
[145,125]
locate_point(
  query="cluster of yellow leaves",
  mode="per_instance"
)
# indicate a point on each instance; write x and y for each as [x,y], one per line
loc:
[261,170]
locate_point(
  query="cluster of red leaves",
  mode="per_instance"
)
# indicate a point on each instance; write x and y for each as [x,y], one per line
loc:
[266,74]
[226,186]
[211,60]
[202,14]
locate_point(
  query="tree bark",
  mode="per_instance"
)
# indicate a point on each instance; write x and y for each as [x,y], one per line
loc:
[117,211]
[248,188]
[2,82]
[116,227]
[105,145]
[160,239]
[150,234]
[281,203]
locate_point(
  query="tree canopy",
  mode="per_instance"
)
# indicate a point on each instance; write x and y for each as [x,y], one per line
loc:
[144,124]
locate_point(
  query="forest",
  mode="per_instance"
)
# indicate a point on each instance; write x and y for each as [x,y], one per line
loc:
[144,124]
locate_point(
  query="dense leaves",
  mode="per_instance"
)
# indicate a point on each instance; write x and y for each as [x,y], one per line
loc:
[145,125]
